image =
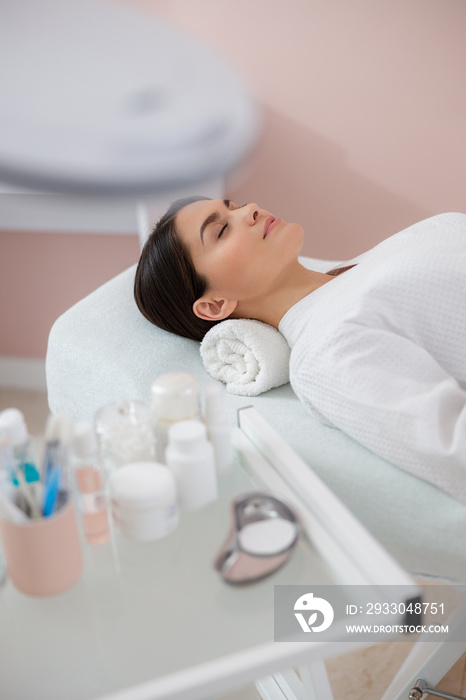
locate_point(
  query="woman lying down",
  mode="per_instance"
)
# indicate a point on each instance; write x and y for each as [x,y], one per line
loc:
[378,347]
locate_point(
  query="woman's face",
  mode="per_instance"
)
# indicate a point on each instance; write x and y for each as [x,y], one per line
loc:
[243,251]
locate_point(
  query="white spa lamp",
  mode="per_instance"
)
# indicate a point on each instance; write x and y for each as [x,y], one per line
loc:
[98,98]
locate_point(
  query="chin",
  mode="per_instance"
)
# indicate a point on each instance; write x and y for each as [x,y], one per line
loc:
[296,237]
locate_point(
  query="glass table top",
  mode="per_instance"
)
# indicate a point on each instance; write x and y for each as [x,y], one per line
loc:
[156,620]
[143,610]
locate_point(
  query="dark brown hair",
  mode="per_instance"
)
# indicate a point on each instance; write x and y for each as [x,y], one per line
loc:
[166,283]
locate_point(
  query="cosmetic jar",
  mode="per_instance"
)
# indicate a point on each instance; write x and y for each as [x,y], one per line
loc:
[191,457]
[126,433]
[218,427]
[144,500]
[175,397]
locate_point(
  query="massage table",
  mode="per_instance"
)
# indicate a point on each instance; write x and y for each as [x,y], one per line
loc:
[102,349]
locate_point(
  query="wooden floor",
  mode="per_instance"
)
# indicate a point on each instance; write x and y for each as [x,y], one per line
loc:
[366,674]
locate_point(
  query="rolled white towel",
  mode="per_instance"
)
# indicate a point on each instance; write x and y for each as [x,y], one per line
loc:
[249,356]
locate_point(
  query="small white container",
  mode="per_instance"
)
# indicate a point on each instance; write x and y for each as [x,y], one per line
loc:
[175,397]
[144,500]
[218,427]
[191,457]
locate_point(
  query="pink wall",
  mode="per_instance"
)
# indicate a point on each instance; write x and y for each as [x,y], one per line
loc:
[365,108]
[364,133]
[43,274]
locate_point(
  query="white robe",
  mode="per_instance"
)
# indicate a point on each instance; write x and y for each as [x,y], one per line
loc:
[380,351]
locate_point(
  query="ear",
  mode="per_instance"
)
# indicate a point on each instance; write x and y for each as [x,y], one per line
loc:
[213,309]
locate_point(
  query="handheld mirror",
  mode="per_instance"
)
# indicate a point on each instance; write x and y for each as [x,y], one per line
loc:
[263,534]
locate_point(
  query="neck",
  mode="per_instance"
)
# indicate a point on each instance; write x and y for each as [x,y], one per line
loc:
[270,308]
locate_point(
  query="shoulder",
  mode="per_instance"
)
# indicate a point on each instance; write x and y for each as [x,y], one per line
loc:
[442,229]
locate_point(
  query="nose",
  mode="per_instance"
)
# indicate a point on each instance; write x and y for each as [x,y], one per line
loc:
[252,213]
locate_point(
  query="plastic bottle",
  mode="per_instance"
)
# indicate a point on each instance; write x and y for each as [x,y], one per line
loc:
[218,427]
[13,426]
[175,397]
[191,457]
[90,484]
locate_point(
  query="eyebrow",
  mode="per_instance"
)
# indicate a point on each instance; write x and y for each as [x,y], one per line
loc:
[211,219]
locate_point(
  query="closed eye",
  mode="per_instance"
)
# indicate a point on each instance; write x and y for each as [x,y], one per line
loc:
[222,230]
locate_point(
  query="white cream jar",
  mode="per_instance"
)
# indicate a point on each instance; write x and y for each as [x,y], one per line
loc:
[144,500]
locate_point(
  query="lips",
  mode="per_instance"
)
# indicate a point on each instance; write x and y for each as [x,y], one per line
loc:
[270,223]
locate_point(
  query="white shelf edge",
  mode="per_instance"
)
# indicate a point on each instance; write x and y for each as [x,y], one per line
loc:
[330,550]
